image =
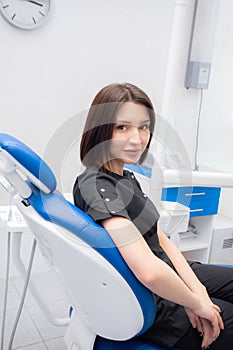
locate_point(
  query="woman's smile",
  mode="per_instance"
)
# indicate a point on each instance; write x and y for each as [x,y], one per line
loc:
[134,152]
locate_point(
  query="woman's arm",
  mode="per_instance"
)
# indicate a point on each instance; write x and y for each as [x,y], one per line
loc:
[152,271]
[161,279]
[182,267]
[180,263]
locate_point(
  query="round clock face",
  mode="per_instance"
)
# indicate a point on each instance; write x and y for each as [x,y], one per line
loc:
[25,14]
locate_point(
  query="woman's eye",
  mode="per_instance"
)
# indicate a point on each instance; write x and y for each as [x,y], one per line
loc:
[145,127]
[121,127]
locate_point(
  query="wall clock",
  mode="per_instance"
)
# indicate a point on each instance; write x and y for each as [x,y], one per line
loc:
[25,14]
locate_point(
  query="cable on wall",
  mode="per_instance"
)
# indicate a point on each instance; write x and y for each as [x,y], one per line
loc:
[196,167]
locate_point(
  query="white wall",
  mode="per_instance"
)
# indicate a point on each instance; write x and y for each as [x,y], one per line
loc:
[216,141]
[50,75]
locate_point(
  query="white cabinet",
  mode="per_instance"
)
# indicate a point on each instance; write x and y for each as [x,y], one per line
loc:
[197,246]
[212,241]
[203,202]
[222,241]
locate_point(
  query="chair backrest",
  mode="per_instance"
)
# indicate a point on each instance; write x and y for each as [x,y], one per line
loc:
[109,299]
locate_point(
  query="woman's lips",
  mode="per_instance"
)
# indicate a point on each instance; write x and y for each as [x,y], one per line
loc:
[133,152]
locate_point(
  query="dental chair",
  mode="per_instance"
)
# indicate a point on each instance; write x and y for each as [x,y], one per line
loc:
[110,307]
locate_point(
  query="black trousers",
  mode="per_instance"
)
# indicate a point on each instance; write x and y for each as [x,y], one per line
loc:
[218,281]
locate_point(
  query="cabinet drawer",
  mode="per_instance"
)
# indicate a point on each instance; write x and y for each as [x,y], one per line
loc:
[201,208]
[200,200]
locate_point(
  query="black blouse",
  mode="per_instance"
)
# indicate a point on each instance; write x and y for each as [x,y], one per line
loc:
[103,194]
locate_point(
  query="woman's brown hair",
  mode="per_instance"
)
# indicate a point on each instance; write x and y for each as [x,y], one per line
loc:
[94,150]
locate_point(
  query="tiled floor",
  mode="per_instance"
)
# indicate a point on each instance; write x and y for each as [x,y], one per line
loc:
[34,331]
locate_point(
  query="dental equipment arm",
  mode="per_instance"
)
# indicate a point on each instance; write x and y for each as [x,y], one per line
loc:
[174,178]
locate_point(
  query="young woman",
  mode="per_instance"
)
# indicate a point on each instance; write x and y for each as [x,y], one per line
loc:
[194,301]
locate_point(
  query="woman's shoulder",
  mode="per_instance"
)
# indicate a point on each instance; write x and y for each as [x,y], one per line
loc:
[94,188]
[94,178]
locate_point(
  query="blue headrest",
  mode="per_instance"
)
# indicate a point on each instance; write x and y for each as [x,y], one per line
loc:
[32,163]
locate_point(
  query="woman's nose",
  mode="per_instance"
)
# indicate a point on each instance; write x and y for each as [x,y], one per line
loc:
[134,136]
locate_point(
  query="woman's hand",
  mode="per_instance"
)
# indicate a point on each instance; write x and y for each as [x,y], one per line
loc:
[207,333]
[194,319]
[204,297]
[207,320]
[203,326]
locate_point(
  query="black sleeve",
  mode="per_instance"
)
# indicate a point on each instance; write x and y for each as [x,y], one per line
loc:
[97,196]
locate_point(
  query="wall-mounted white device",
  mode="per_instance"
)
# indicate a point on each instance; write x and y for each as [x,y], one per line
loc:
[201,43]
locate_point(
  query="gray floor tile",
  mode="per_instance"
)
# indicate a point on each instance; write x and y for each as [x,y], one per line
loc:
[13,299]
[3,256]
[34,329]
[26,332]
[59,309]
[37,346]
[47,284]
[56,344]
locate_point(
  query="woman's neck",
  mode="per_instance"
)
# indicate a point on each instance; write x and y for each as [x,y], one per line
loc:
[115,167]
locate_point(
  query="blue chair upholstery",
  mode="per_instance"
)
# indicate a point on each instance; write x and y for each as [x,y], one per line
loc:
[132,344]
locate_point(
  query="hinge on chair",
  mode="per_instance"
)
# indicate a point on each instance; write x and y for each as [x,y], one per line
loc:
[25,202]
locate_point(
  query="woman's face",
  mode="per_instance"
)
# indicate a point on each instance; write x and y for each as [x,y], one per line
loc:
[131,135]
